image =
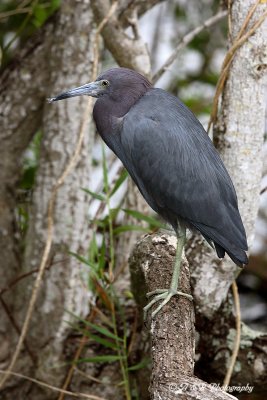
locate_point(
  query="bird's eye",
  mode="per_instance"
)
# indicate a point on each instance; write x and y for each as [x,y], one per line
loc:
[105,83]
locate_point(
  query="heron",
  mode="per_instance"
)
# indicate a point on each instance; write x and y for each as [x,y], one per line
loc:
[173,162]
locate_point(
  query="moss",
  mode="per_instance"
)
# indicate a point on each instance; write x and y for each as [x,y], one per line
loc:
[248,335]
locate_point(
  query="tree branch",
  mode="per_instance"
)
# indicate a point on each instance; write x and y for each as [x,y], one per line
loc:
[128,52]
[172,330]
[185,41]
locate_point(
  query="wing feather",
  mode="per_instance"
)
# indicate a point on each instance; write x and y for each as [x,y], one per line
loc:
[178,170]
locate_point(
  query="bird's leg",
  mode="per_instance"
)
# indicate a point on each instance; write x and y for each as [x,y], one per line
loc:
[166,294]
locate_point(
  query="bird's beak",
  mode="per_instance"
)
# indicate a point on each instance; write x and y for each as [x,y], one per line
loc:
[89,89]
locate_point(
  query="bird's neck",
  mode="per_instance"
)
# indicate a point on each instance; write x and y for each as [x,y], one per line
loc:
[108,110]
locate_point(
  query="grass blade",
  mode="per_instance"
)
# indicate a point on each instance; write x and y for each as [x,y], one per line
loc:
[142,217]
[127,228]
[98,339]
[119,182]
[103,331]
[106,358]
[99,329]
[143,363]
[97,196]
[83,260]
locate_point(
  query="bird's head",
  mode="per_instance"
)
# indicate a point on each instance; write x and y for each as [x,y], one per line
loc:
[113,83]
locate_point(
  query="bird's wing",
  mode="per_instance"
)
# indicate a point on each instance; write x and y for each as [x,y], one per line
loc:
[177,169]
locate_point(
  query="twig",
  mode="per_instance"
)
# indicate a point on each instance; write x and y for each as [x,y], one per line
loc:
[229,9]
[15,281]
[239,41]
[71,370]
[92,378]
[7,14]
[76,357]
[54,388]
[17,329]
[237,337]
[187,39]
[51,206]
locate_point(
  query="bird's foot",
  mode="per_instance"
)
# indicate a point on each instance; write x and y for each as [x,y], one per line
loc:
[165,295]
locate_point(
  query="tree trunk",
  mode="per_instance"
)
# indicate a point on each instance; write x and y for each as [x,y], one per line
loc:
[68,62]
[238,134]
[240,147]
[172,330]
[21,106]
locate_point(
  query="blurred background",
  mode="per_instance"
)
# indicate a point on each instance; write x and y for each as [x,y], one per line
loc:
[192,77]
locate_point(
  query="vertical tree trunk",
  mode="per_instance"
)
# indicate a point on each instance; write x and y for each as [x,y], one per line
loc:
[65,285]
[239,134]
[18,98]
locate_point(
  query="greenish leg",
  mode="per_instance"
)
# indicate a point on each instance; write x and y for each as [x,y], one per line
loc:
[166,294]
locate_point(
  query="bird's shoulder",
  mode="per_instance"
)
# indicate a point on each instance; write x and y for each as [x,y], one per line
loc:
[161,125]
[160,133]
[163,107]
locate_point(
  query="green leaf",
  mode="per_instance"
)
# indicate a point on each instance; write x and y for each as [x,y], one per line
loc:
[96,196]
[28,177]
[93,249]
[105,169]
[127,228]
[101,257]
[113,212]
[119,182]
[142,364]
[84,260]
[97,339]
[102,330]
[107,358]
[142,217]
[99,329]
[40,15]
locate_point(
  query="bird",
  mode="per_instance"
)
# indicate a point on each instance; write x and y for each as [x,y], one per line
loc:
[173,162]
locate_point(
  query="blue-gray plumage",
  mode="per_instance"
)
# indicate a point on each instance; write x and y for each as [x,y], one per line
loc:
[170,157]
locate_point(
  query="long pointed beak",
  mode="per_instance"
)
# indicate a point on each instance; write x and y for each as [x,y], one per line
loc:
[89,89]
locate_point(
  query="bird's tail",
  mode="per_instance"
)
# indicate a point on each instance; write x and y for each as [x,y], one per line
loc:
[238,256]
[235,248]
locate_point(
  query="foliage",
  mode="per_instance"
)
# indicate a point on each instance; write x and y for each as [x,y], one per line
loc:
[30,163]
[206,45]
[112,332]
[19,20]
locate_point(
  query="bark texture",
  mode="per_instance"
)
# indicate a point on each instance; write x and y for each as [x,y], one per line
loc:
[128,51]
[238,134]
[172,331]
[21,106]
[215,343]
[67,62]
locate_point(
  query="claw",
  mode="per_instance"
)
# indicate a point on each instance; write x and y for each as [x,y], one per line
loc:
[157,291]
[165,295]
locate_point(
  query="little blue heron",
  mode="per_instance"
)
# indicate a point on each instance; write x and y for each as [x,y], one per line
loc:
[171,159]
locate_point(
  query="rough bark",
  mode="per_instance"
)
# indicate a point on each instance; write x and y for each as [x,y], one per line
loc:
[238,134]
[172,330]
[215,345]
[21,105]
[129,52]
[68,62]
